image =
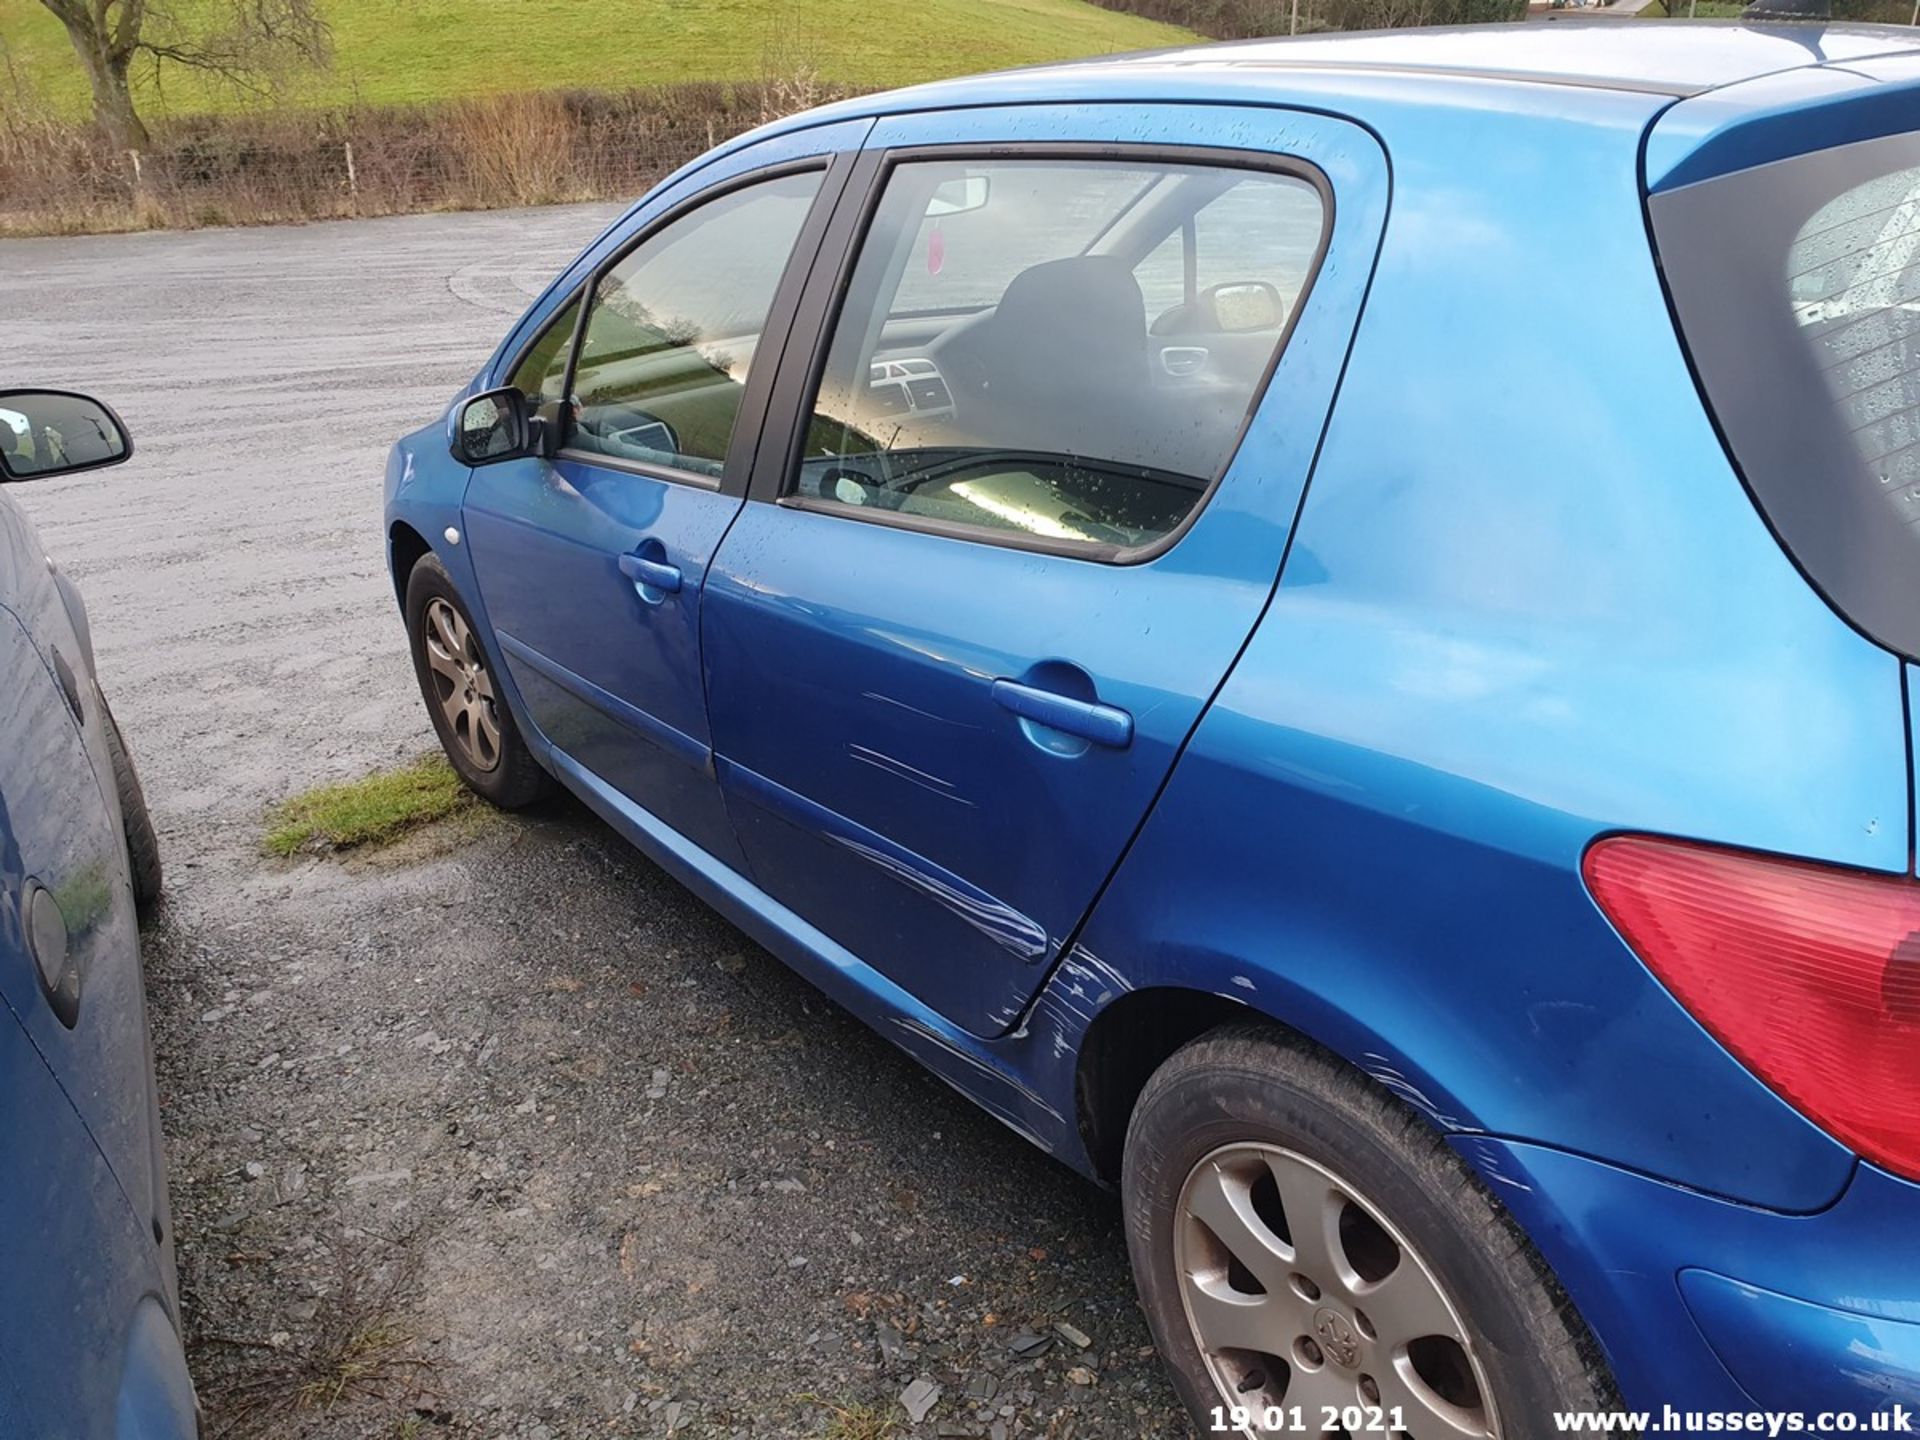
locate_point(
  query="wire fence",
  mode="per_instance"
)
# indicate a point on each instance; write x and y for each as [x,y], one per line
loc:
[60,177]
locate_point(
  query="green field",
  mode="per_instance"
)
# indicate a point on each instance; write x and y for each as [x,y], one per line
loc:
[389,51]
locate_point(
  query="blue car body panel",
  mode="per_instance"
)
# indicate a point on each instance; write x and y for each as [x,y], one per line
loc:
[546,539]
[896,802]
[1480,586]
[89,1342]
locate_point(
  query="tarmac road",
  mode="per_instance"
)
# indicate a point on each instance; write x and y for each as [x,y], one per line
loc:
[502,1133]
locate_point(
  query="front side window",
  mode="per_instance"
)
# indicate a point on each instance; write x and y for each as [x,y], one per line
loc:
[1797,285]
[541,375]
[1022,351]
[674,325]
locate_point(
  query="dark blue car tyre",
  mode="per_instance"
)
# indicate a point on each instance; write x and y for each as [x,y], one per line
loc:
[469,715]
[1314,1259]
[143,844]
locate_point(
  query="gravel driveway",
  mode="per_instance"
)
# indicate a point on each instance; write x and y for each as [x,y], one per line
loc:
[501,1133]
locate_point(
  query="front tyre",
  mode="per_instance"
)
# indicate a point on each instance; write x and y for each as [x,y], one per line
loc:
[143,845]
[1311,1254]
[473,722]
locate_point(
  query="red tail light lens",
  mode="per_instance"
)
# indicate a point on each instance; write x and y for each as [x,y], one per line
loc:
[1810,975]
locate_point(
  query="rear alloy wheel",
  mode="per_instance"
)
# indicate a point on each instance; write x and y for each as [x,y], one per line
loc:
[1349,1315]
[1314,1258]
[472,720]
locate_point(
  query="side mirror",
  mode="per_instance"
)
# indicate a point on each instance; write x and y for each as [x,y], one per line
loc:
[492,426]
[956,197]
[55,432]
[1244,305]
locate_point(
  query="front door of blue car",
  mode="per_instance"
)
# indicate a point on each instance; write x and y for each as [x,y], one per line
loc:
[590,563]
[1026,504]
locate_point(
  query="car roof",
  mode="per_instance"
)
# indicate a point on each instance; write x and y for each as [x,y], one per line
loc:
[1755,84]
[1669,58]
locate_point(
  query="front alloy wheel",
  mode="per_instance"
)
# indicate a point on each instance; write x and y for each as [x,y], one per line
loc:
[462,685]
[469,715]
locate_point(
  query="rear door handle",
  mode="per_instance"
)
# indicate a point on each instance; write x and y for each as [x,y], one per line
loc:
[1102,724]
[653,574]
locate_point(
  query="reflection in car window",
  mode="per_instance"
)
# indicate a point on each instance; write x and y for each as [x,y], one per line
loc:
[542,371]
[1853,274]
[1002,368]
[673,327]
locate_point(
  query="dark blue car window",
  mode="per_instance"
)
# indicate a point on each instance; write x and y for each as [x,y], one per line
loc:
[999,369]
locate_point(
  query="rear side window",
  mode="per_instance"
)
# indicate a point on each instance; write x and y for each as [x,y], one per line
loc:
[1029,351]
[1797,285]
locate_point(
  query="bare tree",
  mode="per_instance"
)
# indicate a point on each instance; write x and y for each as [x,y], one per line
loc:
[250,45]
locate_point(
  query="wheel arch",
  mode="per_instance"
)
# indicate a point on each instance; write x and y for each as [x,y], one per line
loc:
[1133,1034]
[406,548]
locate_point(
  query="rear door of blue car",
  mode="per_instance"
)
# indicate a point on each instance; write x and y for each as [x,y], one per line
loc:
[1029,471]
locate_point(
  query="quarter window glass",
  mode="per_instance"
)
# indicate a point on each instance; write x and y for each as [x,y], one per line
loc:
[1003,369]
[541,374]
[1853,273]
[1797,288]
[673,328]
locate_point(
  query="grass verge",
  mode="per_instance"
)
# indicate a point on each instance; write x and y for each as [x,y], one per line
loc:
[436,50]
[376,810]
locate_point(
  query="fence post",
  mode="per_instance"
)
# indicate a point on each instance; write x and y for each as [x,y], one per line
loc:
[1293,24]
[353,180]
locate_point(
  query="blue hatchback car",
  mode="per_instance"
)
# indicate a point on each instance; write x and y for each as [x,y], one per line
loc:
[1324,629]
[89,1306]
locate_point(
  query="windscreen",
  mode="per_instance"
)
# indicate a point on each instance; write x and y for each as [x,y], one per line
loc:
[1797,286]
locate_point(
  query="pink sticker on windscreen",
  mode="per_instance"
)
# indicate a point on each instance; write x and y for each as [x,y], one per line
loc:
[936,251]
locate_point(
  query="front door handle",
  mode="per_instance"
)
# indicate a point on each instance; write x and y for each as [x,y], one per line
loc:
[1102,724]
[655,575]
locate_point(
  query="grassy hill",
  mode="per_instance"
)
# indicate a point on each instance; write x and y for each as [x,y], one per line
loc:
[417,50]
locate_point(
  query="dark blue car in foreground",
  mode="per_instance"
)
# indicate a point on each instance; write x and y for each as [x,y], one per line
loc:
[1323,628]
[89,1307]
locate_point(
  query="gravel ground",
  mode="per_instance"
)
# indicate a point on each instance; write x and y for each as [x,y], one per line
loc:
[501,1133]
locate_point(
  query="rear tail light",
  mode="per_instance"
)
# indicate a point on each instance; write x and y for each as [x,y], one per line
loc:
[1809,975]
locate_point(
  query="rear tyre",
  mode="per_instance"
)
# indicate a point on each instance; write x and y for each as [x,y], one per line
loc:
[1302,1239]
[143,845]
[474,725]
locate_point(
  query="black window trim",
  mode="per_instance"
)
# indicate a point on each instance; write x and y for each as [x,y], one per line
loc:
[778,466]
[742,445]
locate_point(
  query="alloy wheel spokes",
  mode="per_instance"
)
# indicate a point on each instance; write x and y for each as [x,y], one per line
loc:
[1428,1413]
[1300,1293]
[462,684]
